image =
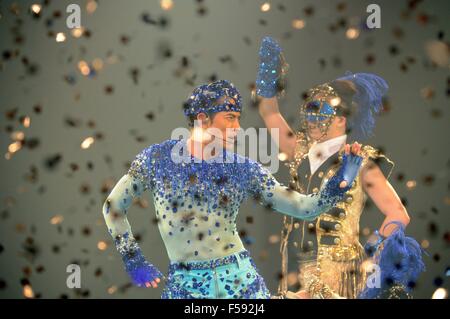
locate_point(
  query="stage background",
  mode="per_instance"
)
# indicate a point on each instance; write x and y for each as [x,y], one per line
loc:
[122,84]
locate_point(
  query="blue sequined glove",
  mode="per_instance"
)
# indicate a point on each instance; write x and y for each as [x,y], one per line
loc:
[137,267]
[371,247]
[350,167]
[348,172]
[269,68]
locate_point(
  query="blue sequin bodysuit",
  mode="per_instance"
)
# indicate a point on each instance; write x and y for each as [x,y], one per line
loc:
[196,204]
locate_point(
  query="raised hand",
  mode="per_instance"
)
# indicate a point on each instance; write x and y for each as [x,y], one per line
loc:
[271,62]
[351,161]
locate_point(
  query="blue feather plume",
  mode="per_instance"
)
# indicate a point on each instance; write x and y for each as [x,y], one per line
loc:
[370,90]
[400,262]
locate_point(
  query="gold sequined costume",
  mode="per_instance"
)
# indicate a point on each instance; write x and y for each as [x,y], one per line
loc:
[331,268]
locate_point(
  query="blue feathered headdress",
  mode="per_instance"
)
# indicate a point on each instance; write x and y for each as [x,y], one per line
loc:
[370,90]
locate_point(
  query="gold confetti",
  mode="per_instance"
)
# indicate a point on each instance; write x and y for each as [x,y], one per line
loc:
[102,245]
[112,290]
[411,184]
[438,52]
[166,4]
[282,156]
[265,7]
[77,32]
[273,239]
[36,8]
[335,101]
[18,136]
[84,67]
[28,291]
[26,122]
[352,33]
[14,147]
[60,37]
[425,244]
[440,293]
[91,6]
[298,24]
[88,141]
[57,219]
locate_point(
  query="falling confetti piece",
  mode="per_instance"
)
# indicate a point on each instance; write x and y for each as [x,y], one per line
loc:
[265,7]
[87,142]
[352,33]
[91,6]
[298,24]
[411,184]
[60,37]
[425,244]
[166,4]
[438,52]
[28,291]
[56,220]
[111,290]
[440,293]
[77,32]
[36,8]
[273,239]
[102,245]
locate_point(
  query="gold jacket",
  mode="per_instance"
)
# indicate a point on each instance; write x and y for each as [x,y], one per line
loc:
[337,269]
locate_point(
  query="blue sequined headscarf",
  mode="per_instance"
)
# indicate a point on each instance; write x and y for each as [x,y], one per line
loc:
[366,102]
[218,96]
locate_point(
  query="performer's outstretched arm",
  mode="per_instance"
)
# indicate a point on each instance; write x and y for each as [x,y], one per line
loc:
[115,210]
[308,207]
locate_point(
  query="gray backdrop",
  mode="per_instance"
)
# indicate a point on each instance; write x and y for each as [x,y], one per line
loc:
[136,100]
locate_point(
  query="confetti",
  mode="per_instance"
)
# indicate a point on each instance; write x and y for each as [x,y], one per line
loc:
[60,37]
[440,293]
[265,7]
[57,219]
[298,24]
[352,33]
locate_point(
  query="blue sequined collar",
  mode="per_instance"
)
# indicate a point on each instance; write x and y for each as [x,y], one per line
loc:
[227,156]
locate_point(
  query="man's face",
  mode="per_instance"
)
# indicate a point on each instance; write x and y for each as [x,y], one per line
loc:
[220,127]
[227,123]
[316,133]
[321,130]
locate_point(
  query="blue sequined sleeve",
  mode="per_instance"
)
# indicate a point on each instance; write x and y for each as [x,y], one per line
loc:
[284,200]
[115,209]
[142,166]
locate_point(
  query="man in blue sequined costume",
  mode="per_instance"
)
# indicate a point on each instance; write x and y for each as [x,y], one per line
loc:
[197,201]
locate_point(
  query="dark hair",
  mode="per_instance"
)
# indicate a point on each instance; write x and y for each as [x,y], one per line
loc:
[346,91]
[192,118]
